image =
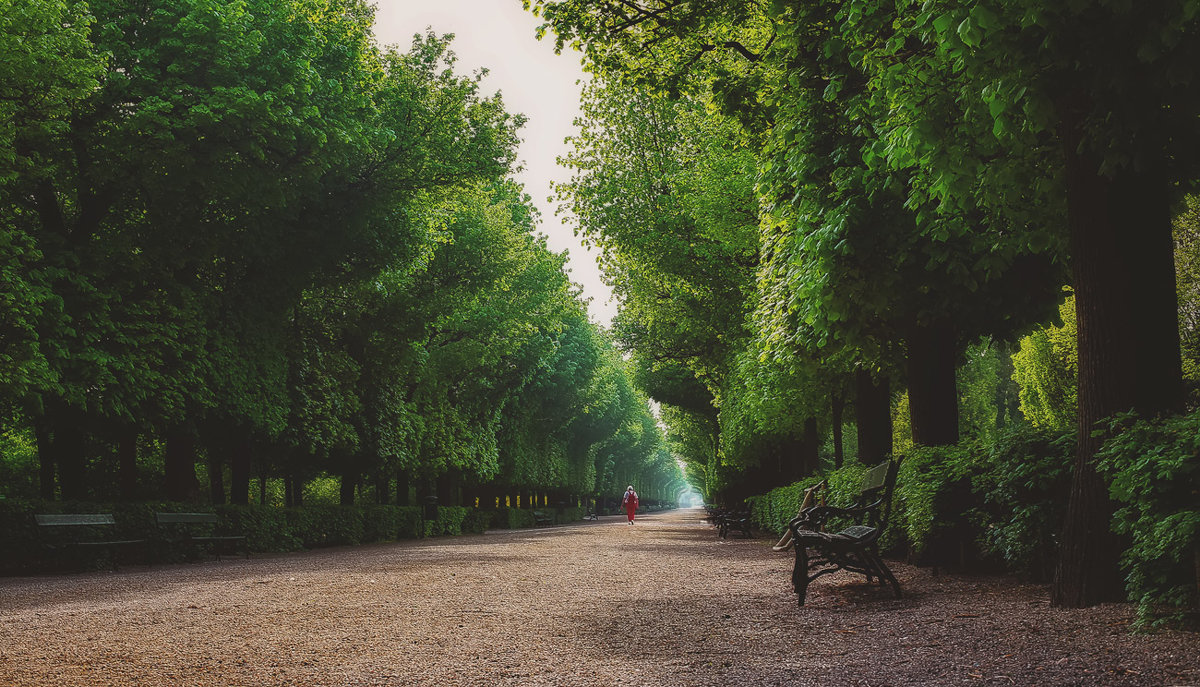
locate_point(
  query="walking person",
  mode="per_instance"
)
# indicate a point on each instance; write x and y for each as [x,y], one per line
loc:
[630,501]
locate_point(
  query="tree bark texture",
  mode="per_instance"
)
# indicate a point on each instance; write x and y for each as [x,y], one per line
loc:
[240,452]
[1128,345]
[46,462]
[127,462]
[179,464]
[932,389]
[873,417]
[809,448]
[349,482]
[216,477]
[837,407]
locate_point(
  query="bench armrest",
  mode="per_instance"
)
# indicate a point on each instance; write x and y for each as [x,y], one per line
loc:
[814,518]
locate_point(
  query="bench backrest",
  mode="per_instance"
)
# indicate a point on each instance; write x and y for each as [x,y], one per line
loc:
[62,519]
[876,491]
[878,479]
[185,518]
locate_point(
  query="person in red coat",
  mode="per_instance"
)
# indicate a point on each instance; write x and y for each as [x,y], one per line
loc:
[630,501]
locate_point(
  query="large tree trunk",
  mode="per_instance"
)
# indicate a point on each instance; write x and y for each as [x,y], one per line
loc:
[179,464]
[932,390]
[873,417]
[127,462]
[63,427]
[216,477]
[239,470]
[46,458]
[403,488]
[838,406]
[809,448]
[349,482]
[1128,345]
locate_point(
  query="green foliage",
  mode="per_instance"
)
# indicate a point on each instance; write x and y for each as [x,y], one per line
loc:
[1046,368]
[169,177]
[999,500]
[1020,483]
[1153,468]
[1187,279]
[449,521]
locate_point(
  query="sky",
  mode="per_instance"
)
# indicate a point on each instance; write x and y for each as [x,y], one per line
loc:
[500,36]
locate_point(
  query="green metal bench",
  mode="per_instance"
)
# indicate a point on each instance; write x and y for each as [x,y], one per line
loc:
[854,548]
[182,521]
[75,524]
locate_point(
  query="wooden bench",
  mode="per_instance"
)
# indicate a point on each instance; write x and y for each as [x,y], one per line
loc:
[181,521]
[542,518]
[86,520]
[855,547]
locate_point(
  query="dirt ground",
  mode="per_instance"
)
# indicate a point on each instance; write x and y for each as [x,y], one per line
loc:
[662,602]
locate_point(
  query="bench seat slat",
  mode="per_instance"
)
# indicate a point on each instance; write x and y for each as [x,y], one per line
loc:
[66,519]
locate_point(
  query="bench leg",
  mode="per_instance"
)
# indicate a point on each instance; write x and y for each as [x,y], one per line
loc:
[885,573]
[800,577]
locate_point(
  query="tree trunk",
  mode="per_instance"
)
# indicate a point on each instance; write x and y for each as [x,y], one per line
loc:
[179,464]
[127,462]
[297,491]
[932,391]
[216,477]
[1128,344]
[838,405]
[46,459]
[239,471]
[873,417]
[809,448]
[403,488]
[349,482]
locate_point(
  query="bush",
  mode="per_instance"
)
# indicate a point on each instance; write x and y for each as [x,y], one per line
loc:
[449,521]
[1022,482]
[1001,502]
[512,518]
[477,521]
[1153,467]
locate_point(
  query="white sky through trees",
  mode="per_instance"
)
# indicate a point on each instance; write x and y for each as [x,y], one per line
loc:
[498,35]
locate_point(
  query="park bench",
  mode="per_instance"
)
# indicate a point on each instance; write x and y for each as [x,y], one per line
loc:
[813,496]
[855,547]
[181,522]
[729,521]
[75,530]
[543,518]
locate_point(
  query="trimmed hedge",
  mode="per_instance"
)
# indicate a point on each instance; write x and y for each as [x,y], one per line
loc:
[267,528]
[998,504]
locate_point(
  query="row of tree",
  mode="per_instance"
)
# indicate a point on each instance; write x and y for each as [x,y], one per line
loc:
[806,205]
[245,236]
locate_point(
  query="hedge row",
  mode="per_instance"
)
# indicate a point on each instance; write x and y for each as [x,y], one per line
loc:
[1002,504]
[267,528]
[995,505]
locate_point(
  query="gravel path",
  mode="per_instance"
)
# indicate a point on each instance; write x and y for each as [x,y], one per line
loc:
[663,602]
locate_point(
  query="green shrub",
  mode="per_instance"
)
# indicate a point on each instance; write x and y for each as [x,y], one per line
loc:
[266,527]
[1153,468]
[477,521]
[512,518]
[930,511]
[1022,483]
[570,514]
[449,521]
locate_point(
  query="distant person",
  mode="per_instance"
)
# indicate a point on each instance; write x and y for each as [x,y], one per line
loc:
[630,501]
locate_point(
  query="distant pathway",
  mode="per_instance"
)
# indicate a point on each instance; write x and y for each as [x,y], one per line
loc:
[663,602]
